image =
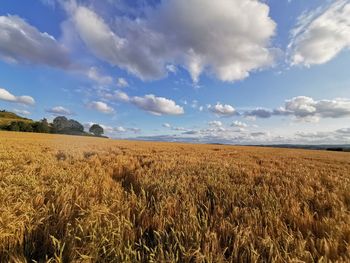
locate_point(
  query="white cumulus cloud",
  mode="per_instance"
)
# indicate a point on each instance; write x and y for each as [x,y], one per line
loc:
[59,110]
[239,124]
[100,106]
[306,109]
[94,74]
[303,106]
[21,42]
[157,105]
[222,109]
[120,129]
[150,103]
[215,123]
[5,95]
[228,38]
[321,35]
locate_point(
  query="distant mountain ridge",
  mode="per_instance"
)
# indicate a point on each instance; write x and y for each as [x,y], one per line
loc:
[327,147]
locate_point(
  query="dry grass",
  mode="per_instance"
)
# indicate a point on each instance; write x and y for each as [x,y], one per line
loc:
[79,199]
[7,117]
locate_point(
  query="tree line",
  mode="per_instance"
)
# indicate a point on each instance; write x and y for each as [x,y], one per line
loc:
[60,125]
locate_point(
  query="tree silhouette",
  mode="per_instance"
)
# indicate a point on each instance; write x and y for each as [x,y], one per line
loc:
[96,129]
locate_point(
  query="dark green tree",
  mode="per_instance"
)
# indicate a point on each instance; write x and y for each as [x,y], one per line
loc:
[96,129]
[59,124]
[41,126]
[13,126]
[25,126]
[62,125]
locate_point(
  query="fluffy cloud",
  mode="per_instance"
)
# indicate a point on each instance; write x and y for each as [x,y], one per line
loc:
[344,131]
[306,109]
[178,129]
[134,130]
[7,96]
[149,103]
[157,105]
[169,126]
[229,38]
[122,83]
[215,123]
[59,110]
[118,95]
[259,113]
[120,129]
[238,124]
[101,107]
[258,134]
[94,74]
[321,35]
[171,68]
[258,137]
[223,110]
[219,135]
[21,112]
[108,46]
[300,106]
[340,136]
[313,135]
[19,41]
[191,132]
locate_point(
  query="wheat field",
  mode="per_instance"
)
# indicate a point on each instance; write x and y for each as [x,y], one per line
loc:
[81,199]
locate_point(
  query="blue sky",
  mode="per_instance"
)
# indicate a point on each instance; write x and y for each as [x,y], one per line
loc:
[233,71]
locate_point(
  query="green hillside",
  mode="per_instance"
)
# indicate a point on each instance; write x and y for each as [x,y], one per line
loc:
[7,117]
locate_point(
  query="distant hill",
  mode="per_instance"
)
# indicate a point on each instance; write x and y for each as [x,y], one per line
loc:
[7,117]
[327,147]
[10,121]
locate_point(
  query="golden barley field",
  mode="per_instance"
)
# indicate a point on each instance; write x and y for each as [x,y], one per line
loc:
[82,199]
